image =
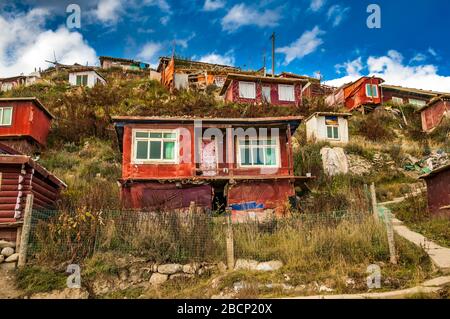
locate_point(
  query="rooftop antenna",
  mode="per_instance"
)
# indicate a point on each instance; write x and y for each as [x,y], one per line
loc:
[273,53]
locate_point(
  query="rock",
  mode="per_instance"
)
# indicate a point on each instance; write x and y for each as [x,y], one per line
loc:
[324,288]
[7,251]
[222,267]
[300,288]
[245,264]
[4,244]
[190,268]
[358,165]
[237,286]
[349,282]
[278,286]
[7,266]
[269,265]
[169,269]
[155,268]
[67,293]
[123,275]
[2,258]
[334,160]
[12,258]
[158,279]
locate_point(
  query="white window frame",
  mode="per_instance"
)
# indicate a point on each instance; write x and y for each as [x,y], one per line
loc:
[254,90]
[2,109]
[372,86]
[332,128]
[289,86]
[422,103]
[277,152]
[397,100]
[265,99]
[175,160]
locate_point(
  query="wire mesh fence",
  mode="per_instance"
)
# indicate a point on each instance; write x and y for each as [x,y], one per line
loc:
[183,237]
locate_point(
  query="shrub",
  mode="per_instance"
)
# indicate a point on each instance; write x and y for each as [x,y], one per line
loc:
[376,127]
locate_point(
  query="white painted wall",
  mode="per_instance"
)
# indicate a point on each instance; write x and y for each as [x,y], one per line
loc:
[93,77]
[317,130]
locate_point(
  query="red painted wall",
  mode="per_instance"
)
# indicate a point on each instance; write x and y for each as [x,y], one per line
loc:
[232,94]
[388,94]
[27,120]
[432,116]
[355,94]
[438,190]
[187,168]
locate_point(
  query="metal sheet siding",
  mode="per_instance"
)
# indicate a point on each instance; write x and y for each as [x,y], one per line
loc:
[27,120]
[438,189]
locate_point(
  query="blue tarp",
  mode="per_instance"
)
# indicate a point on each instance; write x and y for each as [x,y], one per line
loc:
[246,206]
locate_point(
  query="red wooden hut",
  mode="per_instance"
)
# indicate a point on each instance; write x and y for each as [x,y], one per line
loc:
[434,112]
[438,190]
[241,163]
[255,89]
[24,123]
[20,176]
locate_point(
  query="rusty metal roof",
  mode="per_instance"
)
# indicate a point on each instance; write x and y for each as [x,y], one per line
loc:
[443,97]
[410,90]
[436,171]
[35,100]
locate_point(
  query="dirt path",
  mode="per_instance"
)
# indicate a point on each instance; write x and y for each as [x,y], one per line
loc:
[8,289]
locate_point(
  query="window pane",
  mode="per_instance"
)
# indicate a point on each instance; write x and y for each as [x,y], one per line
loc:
[329,132]
[286,93]
[141,150]
[169,150]
[247,90]
[245,156]
[335,132]
[155,135]
[7,114]
[374,91]
[266,93]
[169,135]
[78,79]
[142,134]
[257,156]
[270,156]
[155,149]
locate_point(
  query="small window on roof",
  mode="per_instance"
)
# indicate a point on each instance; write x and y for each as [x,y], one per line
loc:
[6,116]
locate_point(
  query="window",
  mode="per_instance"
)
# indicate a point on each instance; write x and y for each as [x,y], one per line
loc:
[286,93]
[417,102]
[5,116]
[155,146]
[371,90]
[247,90]
[266,94]
[397,100]
[332,124]
[82,80]
[258,152]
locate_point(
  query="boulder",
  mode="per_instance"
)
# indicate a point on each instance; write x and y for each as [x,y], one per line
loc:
[4,243]
[169,269]
[158,279]
[2,258]
[222,267]
[181,275]
[190,268]
[12,258]
[269,265]
[7,251]
[246,264]
[334,160]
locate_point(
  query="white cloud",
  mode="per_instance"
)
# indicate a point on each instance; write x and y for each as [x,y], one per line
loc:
[109,11]
[241,15]
[306,44]
[215,58]
[213,5]
[432,52]
[316,5]
[351,67]
[163,5]
[164,20]
[27,44]
[184,42]
[392,69]
[150,52]
[419,57]
[337,13]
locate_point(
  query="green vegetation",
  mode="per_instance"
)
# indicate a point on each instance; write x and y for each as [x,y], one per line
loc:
[35,279]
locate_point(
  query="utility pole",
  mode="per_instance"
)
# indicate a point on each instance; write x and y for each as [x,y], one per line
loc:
[273,54]
[264,62]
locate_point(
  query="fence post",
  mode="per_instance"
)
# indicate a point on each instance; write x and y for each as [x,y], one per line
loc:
[26,228]
[390,236]
[230,243]
[374,201]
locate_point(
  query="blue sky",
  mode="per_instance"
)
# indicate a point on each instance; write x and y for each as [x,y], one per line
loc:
[328,36]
